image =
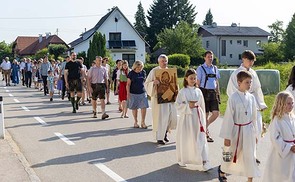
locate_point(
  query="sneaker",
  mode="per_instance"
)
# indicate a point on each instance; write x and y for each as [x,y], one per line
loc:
[104,116]
[94,114]
[209,139]
[74,111]
[108,103]
[161,142]
[51,99]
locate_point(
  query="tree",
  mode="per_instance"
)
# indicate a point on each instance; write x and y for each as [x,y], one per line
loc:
[140,22]
[97,47]
[289,40]
[272,53]
[183,39]
[41,53]
[277,32]
[57,49]
[208,18]
[5,50]
[167,14]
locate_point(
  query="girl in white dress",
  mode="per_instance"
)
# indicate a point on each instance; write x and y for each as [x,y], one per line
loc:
[291,85]
[239,130]
[280,165]
[191,143]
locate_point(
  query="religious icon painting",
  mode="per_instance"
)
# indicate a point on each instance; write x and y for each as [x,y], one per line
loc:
[167,90]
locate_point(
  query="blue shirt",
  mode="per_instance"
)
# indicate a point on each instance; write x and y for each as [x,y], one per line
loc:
[201,76]
[137,82]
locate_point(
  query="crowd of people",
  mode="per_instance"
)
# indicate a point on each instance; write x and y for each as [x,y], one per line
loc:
[197,105]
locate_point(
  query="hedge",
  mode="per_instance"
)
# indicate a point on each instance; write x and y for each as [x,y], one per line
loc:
[179,60]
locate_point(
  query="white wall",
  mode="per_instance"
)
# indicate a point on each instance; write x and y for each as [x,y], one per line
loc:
[233,49]
[127,33]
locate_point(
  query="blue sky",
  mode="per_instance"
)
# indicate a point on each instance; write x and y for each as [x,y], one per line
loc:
[16,16]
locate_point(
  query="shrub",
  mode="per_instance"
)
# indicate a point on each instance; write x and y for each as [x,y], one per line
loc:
[180,70]
[179,60]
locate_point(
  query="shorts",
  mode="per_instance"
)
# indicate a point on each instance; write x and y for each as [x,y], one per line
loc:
[211,100]
[75,85]
[98,90]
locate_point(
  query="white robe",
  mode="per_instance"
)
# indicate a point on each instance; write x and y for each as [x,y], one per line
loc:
[164,115]
[280,165]
[255,90]
[246,153]
[290,89]
[191,144]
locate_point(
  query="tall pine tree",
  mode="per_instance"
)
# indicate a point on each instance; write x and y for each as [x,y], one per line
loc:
[167,14]
[289,40]
[208,18]
[140,21]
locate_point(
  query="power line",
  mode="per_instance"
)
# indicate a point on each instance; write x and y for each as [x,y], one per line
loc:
[53,17]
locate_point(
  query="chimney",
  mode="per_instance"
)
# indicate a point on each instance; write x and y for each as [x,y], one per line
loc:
[47,34]
[40,38]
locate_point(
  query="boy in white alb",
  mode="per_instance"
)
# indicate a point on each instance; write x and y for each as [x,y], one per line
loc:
[239,131]
[248,58]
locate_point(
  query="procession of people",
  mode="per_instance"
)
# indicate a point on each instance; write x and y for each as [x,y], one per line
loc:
[189,110]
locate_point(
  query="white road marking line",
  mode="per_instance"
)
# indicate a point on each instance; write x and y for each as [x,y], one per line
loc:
[40,121]
[65,139]
[7,90]
[25,108]
[10,95]
[15,100]
[5,87]
[109,172]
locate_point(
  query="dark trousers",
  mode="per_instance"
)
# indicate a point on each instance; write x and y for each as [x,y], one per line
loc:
[44,78]
[23,77]
[28,78]
[63,90]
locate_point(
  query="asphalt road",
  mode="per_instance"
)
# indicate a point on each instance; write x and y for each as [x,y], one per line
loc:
[63,146]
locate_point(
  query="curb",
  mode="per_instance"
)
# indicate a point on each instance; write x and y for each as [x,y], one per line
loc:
[31,173]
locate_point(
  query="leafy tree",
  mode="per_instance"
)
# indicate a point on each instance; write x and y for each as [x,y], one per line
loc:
[5,50]
[208,18]
[277,31]
[289,40]
[167,14]
[97,47]
[41,53]
[183,39]
[140,22]
[272,53]
[57,49]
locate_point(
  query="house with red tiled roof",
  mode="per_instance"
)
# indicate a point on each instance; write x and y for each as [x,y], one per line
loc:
[28,45]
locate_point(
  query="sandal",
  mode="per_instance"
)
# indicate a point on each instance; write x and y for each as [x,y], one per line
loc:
[221,175]
[143,126]
[136,126]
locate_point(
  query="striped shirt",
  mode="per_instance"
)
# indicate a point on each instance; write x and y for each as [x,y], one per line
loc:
[97,74]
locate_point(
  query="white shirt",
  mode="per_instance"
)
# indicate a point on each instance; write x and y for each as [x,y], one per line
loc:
[5,65]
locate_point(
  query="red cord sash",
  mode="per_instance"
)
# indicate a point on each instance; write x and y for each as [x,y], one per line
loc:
[290,141]
[239,125]
[201,126]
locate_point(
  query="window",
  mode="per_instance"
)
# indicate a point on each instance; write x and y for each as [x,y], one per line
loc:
[239,42]
[207,44]
[115,40]
[240,56]
[231,41]
[128,43]
[231,55]
[223,47]
[245,43]
[115,36]
[258,43]
[130,58]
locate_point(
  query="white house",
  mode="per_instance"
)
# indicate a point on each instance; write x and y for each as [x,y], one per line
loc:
[123,41]
[228,42]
